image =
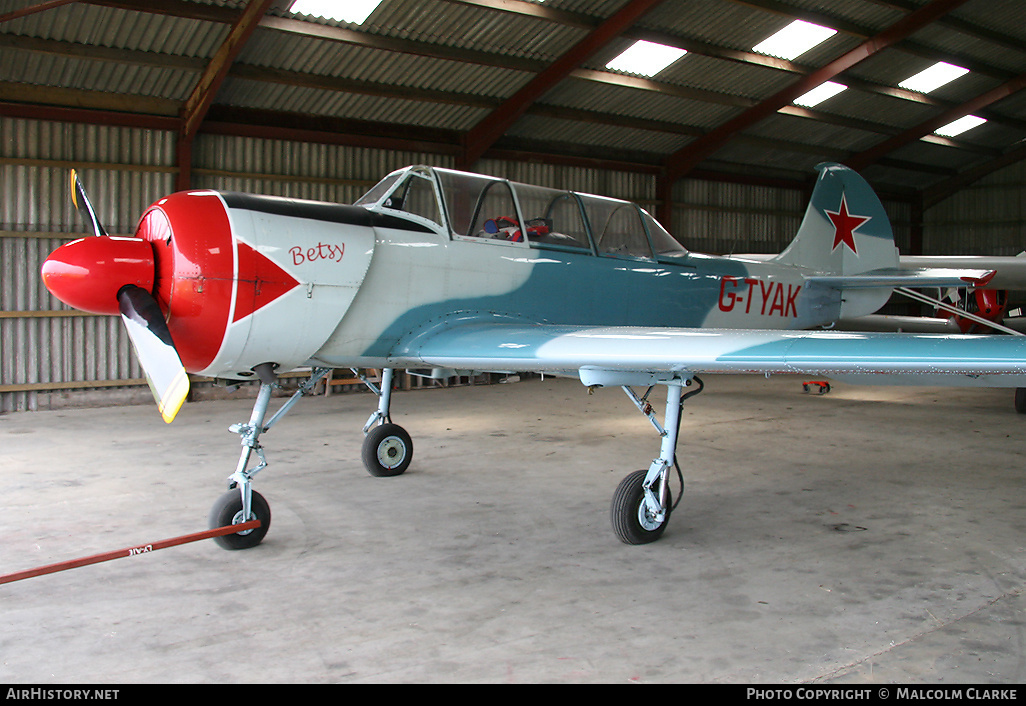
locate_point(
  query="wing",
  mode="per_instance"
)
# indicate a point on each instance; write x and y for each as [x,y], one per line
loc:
[636,355]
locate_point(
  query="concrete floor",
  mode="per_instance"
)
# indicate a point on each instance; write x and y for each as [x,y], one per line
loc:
[870,535]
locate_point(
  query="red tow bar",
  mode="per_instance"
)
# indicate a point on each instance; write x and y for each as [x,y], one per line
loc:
[129,551]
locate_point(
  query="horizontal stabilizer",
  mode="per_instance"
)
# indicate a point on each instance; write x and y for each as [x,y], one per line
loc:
[905,277]
[916,324]
[1010,270]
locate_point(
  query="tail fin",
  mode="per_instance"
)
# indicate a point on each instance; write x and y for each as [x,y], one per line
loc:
[845,244]
[845,230]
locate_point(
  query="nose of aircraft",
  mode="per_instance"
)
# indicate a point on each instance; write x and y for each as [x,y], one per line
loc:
[109,275]
[88,273]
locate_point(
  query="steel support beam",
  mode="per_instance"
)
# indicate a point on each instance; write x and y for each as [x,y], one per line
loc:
[199,101]
[33,9]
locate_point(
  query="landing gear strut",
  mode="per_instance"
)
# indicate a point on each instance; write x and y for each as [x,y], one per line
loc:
[387,447]
[241,503]
[643,501]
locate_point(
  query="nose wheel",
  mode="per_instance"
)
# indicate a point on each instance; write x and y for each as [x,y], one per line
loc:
[241,503]
[228,511]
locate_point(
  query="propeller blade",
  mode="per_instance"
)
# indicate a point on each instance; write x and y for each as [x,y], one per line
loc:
[81,202]
[151,338]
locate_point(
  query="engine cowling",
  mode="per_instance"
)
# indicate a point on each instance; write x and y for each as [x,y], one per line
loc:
[242,280]
[990,304]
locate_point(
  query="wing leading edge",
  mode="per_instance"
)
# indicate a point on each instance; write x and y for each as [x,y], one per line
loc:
[655,354]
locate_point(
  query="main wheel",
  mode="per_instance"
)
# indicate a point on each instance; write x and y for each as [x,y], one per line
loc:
[1020,400]
[228,511]
[632,521]
[387,450]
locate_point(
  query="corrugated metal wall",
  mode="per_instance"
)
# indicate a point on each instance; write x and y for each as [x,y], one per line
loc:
[296,169]
[51,356]
[987,218]
[730,219]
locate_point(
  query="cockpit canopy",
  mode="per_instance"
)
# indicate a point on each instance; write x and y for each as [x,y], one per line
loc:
[465,205]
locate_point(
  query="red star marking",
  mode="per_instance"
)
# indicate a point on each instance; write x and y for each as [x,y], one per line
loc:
[845,226]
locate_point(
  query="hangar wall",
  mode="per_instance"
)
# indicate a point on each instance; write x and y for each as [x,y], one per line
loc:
[51,356]
[48,352]
[986,218]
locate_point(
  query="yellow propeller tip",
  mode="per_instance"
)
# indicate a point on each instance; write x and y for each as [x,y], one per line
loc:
[174,397]
[74,188]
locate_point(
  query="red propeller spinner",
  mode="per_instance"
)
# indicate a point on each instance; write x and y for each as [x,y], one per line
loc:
[112,275]
[88,273]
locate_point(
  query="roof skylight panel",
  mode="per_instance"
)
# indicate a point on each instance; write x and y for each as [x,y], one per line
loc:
[794,40]
[933,78]
[354,11]
[959,126]
[827,89]
[645,58]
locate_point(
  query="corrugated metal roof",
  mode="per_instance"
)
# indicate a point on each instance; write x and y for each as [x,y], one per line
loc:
[452,65]
[633,103]
[727,78]
[728,24]
[469,27]
[830,138]
[856,12]
[93,25]
[547,130]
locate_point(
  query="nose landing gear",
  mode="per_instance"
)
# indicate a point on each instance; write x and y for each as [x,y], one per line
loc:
[241,503]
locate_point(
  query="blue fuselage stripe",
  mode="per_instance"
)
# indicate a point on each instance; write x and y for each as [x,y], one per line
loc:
[581,289]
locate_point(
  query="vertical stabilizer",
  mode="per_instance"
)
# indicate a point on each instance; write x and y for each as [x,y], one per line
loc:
[845,230]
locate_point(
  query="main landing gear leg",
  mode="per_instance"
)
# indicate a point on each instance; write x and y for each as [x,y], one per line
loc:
[642,502]
[241,503]
[387,447]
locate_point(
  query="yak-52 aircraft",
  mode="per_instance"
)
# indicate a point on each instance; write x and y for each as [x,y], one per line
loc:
[439,271]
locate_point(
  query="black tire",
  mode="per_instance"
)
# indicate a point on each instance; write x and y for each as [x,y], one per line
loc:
[626,510]
[1020,400]
[228,510]
[387,451]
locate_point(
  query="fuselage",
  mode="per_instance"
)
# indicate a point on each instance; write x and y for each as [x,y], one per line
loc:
[245,280]
[417,281]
